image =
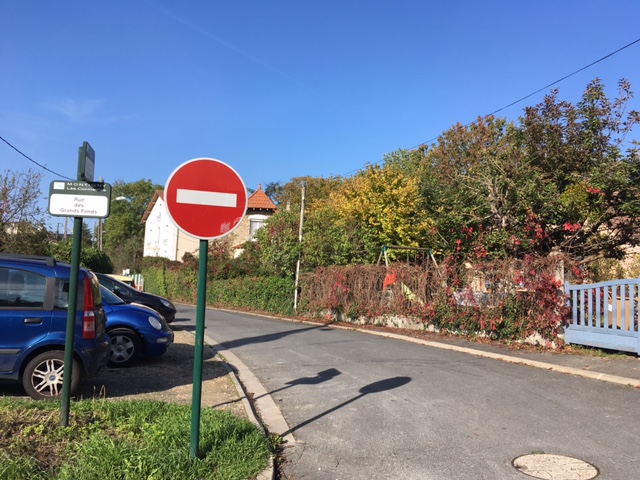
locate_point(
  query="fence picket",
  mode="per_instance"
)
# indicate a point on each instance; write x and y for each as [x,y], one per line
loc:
[604,315]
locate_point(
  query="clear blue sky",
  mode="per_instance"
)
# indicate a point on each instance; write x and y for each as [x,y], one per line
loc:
[280,89]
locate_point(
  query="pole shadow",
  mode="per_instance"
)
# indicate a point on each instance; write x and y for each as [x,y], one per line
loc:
[375,387]
[321,377]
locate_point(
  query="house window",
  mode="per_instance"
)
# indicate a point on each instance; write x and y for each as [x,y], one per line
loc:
[255,224]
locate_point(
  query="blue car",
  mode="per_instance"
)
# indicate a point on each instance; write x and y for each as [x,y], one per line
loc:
[134,330]
[34,295]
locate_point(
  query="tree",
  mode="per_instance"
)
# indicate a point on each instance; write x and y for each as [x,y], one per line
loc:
[346,220]
[328,239]
[90,257]
[557,181]
[562,178]
[22,228]
[317,189]
[477,186]
[593,202]
[384,203]
[124,230]
[272,189]
[279,245]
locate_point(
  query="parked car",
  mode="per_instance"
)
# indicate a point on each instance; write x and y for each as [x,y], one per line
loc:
[134,330]
[131,295]
[34,295]
[123,278]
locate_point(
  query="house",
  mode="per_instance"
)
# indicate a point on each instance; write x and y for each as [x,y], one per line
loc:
[259,209]
[163,239]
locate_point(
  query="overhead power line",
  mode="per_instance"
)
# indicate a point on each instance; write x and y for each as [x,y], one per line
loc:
[421,144]
[33,161]
[543,88]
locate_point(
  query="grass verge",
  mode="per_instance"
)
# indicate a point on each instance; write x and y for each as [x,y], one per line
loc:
[125,440]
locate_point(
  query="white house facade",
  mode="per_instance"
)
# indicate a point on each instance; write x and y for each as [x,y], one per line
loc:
[161,237]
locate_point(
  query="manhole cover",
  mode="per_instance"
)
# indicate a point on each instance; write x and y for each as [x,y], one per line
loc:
[555,467]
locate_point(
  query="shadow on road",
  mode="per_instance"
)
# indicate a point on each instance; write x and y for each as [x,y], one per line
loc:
[272,337]
[375,387]
[321,377]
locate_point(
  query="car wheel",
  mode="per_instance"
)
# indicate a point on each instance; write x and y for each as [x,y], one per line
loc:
[43,377]
[125,347]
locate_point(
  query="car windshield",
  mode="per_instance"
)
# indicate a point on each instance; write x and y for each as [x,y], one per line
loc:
[110,298]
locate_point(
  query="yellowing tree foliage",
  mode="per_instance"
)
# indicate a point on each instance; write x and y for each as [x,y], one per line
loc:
[386,202]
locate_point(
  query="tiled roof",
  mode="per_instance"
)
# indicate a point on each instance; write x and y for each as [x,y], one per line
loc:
[259,201]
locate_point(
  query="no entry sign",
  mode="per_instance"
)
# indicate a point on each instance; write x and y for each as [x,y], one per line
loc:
[205,198]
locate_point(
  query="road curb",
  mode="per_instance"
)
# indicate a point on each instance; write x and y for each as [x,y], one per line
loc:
[261,409]
[506,358]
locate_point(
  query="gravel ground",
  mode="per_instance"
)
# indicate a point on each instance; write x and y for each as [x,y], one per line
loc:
[168,378]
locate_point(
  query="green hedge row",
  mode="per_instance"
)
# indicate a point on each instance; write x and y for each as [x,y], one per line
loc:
[266,294]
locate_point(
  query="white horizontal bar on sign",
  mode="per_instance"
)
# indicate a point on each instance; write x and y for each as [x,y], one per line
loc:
[210,199]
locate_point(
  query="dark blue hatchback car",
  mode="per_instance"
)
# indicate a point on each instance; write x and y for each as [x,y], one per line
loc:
[34,294]
[134,330]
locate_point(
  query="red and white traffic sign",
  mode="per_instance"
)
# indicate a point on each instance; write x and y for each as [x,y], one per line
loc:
[205,198]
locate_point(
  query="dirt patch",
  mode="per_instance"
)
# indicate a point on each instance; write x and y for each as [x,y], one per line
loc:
[168,378]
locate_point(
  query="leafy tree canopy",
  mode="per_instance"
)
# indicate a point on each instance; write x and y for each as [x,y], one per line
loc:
[90,257]
[316,189]
[558,180]
[124,230]
[385,201]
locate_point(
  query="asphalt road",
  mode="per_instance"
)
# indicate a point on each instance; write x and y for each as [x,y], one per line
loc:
[360,406]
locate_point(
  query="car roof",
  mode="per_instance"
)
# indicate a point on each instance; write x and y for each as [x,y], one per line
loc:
[40,263]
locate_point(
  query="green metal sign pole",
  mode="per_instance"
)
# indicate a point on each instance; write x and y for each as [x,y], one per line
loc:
[196,402]
[71,322]
[61,206]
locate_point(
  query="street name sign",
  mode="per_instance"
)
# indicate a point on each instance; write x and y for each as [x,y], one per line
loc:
[79,199]
[205,198]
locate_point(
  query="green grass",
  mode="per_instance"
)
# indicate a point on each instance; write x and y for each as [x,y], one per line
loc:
[587,351]
[125,440]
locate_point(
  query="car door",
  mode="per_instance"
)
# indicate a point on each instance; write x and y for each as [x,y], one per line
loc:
[23,318]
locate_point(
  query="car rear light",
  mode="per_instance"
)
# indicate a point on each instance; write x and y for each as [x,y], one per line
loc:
[89,317]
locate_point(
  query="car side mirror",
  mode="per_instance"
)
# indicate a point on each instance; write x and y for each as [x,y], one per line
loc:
[122,292]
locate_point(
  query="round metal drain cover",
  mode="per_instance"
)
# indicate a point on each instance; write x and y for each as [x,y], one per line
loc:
[555,467]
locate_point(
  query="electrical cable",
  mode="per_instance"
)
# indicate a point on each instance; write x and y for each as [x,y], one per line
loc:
[33,161]
[423,143]
[543,88]
[525,97]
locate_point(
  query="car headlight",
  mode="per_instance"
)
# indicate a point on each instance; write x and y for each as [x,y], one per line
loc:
[155,323]
[166,303]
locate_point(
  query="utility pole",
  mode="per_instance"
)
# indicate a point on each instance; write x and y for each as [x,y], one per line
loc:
[295,295]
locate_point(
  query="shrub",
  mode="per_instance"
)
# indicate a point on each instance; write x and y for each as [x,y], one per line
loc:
[504,300]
